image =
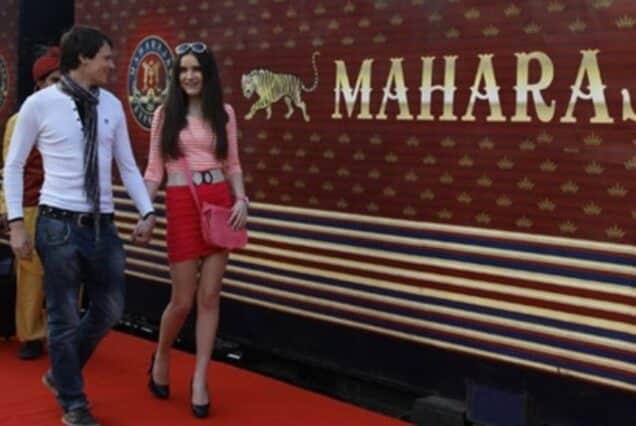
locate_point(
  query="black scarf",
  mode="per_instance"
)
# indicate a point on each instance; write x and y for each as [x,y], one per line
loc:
[87,101]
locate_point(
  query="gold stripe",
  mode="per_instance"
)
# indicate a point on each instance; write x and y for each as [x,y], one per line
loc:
[458,313]
[446,295]
[457,281]
[455,247]
[478,335]
[558,370]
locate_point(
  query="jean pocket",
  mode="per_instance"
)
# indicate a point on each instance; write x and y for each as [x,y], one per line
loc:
[53,232]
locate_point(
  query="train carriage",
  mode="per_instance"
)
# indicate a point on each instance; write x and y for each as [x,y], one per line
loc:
[441,190]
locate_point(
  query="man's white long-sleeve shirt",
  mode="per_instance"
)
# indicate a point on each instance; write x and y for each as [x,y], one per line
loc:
[50,120]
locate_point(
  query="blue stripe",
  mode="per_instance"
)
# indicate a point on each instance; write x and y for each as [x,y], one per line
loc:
[441,302]
[512,352]
[474,241]
[377,245]
[429,316]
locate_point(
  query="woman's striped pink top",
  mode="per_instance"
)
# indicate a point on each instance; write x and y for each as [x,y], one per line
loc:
[197,144]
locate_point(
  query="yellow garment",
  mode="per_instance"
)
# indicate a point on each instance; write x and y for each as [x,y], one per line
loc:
[30,321]
[29,312]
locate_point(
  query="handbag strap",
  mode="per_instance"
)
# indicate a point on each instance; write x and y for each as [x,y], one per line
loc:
[188,174]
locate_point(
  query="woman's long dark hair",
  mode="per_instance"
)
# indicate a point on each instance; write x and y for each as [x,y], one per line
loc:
[176,107]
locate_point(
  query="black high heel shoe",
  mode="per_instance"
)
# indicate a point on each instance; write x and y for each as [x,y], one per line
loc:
[199,411]
[160,391]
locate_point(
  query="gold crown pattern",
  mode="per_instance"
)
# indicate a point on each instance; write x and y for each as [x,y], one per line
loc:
[466,161]
[490,31]
[555,7]
[429,160]
[570,187]
[631,163]
[548,166]
[374,174]
[445,214]
[397,20]
[409,211]
[389,192]
[532,28]
[592,209]
[512,10]
[504,201]
[448,143]
[523,222]
[472,14]
[594,168]
[435,17]
[464,198]
[602,4]
[427,195]
[577,26]
[483,218]
[527,145]
[452,33]
[546,205]
[413,141]
[484,181]
[411,176]
[617,191]
[615,232]
[625,22]
[567,227]
[344,139]
[525,184]
[285,162]
[486,144]
[446,178]
[505,164]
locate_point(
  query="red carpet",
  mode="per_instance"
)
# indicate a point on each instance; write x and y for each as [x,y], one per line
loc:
[116,386]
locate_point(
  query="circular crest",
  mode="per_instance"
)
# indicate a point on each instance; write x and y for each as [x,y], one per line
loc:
[148,77]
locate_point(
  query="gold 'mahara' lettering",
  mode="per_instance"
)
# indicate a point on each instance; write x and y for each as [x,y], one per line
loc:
[486,73]
[395,78]
[363,87]
[525,90]
[589,68]
[427,89]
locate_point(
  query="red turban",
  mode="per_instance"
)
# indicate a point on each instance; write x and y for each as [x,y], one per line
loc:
[46,64]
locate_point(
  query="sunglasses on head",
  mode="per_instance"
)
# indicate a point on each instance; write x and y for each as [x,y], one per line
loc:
[196,47]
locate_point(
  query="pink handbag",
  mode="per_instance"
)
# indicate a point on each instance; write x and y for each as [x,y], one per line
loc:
[214,220]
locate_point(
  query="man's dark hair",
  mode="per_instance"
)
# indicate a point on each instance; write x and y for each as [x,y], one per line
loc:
[80,40]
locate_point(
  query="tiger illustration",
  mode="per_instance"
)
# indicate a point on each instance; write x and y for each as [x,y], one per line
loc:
[271,87]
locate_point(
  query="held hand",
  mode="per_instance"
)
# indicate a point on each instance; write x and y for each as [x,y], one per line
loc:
[21,241]
[143,231]
[238,218]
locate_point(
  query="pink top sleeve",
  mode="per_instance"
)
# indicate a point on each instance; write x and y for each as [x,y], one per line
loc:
[232,164]
[155,168]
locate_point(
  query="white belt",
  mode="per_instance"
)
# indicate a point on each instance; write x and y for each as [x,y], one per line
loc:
[198,178]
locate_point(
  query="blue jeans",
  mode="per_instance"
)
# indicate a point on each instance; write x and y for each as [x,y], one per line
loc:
[72,256]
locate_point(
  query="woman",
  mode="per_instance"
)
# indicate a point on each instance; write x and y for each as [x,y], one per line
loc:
[196,124]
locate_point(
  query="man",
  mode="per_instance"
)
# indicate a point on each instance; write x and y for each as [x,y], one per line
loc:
[78,128]
[29,313]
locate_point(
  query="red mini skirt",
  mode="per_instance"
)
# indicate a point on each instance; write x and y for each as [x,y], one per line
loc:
[184,238]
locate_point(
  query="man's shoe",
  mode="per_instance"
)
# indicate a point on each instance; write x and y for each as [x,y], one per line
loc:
[47,380]
[32,349]
[79,417]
